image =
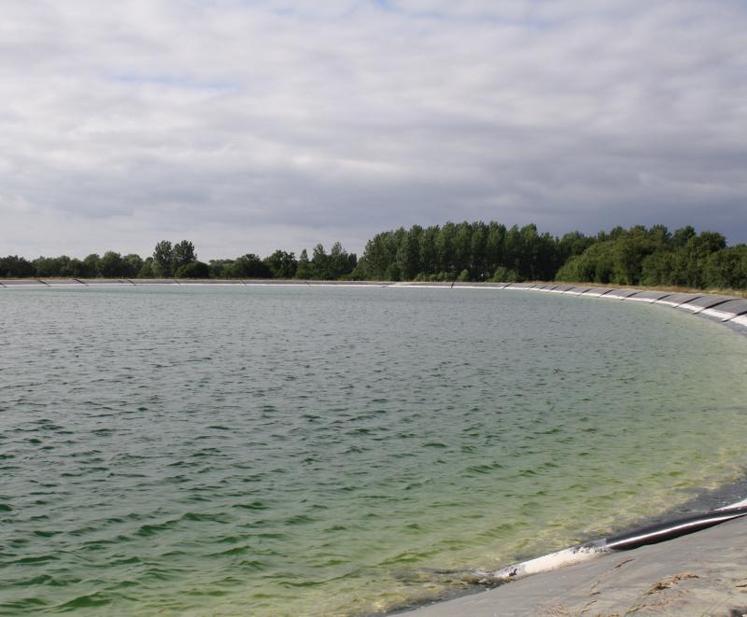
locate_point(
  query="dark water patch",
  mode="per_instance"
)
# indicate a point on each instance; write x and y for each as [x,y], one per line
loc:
[35,560]
[153,529]
[206,517]
[486,468]
[91,600]
[22,606]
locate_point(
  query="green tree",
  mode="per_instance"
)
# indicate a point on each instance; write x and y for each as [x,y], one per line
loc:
[249,266]
[111,265]
[183,254]
[340,263]
[478,255]
[46,267]
[505,275]
[91,266]
[131,266]
[282,265]
[445,249]
[727,268]
[220,268]
[408,253]
[494,246]
[428,253]
[462,247]
[193,270]
[320,263]
[14,266]
[682,236]
[163,259]
[303,270]
[146,271]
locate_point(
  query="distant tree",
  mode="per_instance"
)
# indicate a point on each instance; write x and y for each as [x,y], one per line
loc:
[131,265]
[505,275]
[408,253]
[111,265]
[193,270]
[445,256]
[220,268]
[361,272]
[572,244]
[183,254]
[380,252]
[727,268]
[657,268]
[340,263]
[513,249]
[91,266]
[428,257]
[682,236]
[462,247]
[478,259]
[62,266]
[495,246]
[463,251]
[75,268]
[163,259]
[282,265]
[303,270]
[595,264]
[146,271]
[14,266]
[44,266]
[249,266]
[320,266]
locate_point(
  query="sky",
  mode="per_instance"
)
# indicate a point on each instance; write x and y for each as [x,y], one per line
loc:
[252,125]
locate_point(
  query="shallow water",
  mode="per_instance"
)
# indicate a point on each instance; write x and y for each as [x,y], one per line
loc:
[318,451]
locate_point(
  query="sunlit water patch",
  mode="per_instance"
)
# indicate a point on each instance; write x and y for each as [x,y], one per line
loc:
[319,451]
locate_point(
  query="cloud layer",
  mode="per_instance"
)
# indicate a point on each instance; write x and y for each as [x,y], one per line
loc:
[254,125]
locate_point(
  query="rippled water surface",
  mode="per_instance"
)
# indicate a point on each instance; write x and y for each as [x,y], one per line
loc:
[320,451]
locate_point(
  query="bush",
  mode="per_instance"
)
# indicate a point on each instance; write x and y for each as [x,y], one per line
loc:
[193,270]
[505,275]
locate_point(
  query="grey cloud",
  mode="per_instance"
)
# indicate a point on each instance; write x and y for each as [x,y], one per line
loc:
[253,125]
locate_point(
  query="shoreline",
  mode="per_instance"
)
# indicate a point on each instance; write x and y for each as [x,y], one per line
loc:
[703,573]
[727,309]
[484,598]
[99,281]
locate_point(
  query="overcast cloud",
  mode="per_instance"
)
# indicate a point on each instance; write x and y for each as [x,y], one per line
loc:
[247,126]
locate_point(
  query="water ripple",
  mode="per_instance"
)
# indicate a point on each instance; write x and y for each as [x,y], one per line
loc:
[322,451]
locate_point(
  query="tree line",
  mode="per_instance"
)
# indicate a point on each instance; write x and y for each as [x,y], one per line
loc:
[179,260]
[464,251]
[491,252]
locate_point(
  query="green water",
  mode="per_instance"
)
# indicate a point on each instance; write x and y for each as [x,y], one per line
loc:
[317,451]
